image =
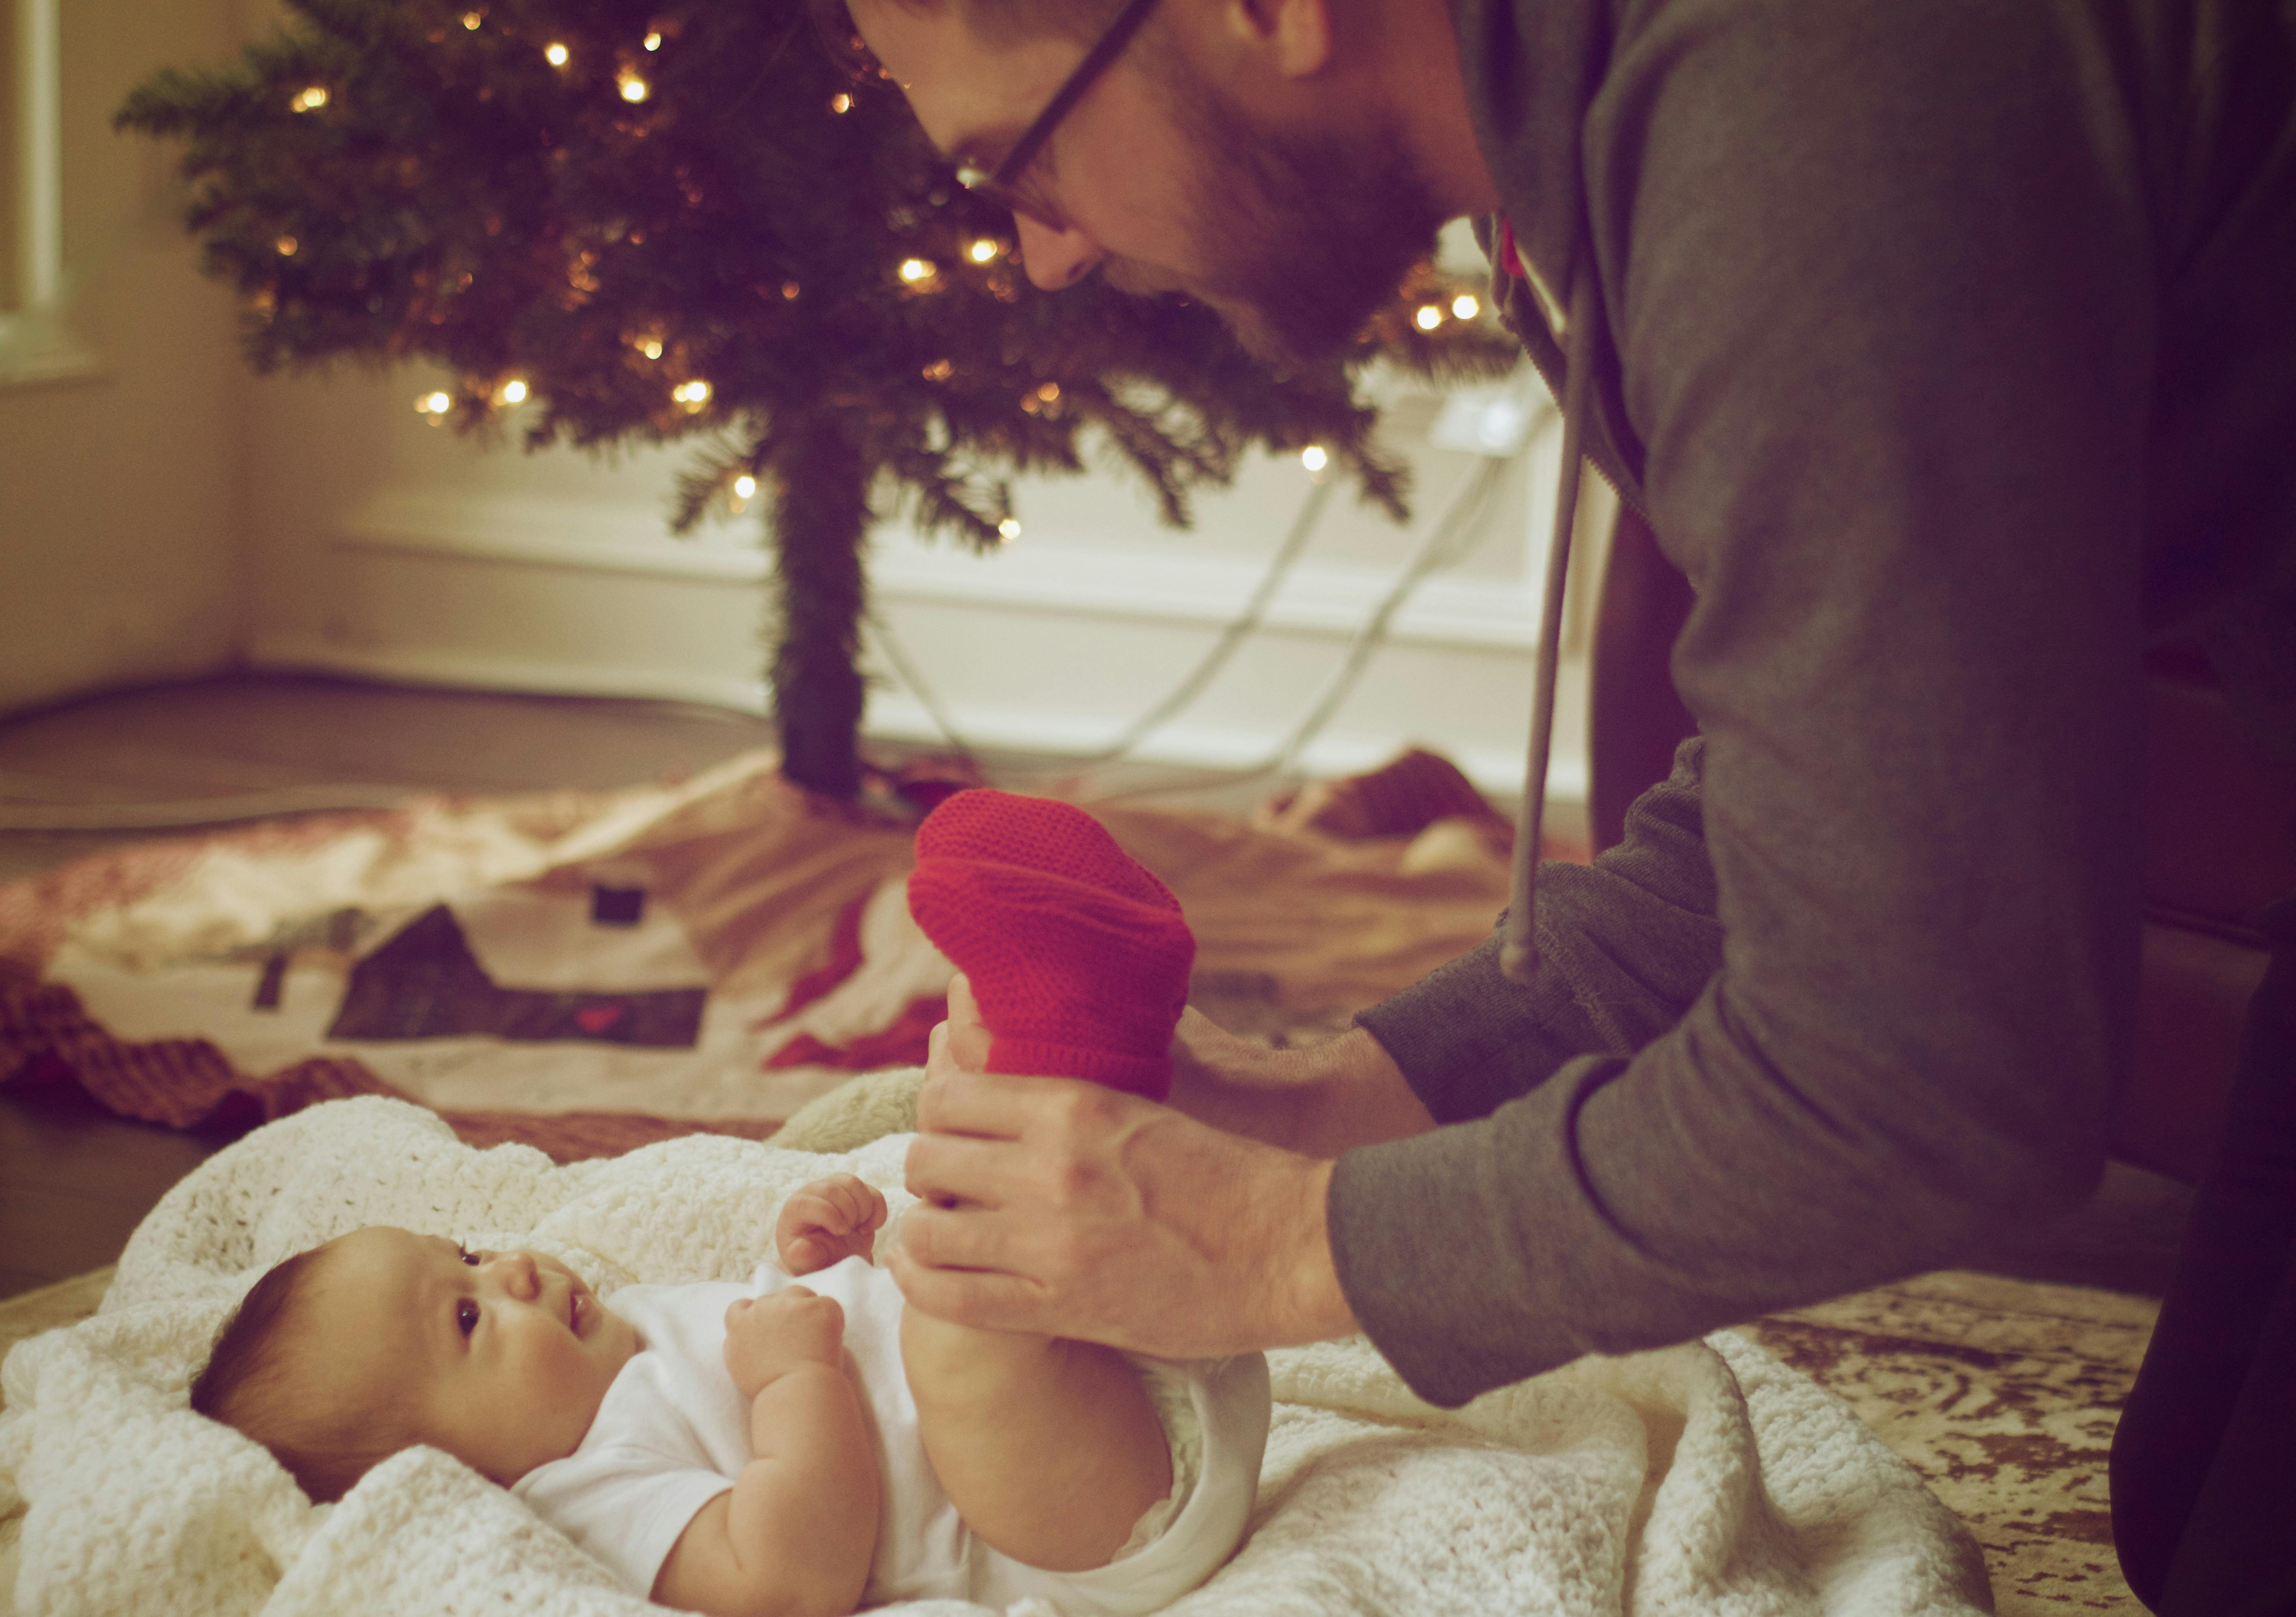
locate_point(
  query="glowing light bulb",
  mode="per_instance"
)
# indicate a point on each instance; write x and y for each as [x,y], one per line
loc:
[513,391]
[1049,391]
[653,42]
[310,100]
[916,271]
[693,395]
[983,251]
[939,370]
[1314,458]
[651,347]
[1464,307]
[1009,530]
[634,88]
[790,289]
[840,102]
[433,404]
[471,21]
[745,486]
[286,246]
[1428,318]
[555,54]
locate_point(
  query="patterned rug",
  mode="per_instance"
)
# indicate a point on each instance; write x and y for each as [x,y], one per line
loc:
[2002,1393]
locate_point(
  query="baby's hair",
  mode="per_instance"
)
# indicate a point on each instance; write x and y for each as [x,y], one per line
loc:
[255,1383]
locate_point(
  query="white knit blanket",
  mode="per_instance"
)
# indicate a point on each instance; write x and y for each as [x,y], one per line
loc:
[1708,1478]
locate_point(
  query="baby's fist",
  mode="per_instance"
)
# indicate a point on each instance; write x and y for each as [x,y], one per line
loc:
[767,1337]
[828,1221]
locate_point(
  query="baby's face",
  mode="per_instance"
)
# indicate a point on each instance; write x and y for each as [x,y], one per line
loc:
[500,1359]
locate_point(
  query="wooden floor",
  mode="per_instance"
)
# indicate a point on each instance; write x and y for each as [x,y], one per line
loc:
[74,1181]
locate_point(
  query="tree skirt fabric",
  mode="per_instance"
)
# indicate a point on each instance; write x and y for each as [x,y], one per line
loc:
[587,972]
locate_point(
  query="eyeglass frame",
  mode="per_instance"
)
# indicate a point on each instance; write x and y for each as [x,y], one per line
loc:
[998,186]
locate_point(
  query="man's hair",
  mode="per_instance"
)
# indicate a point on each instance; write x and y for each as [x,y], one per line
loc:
[257,1380]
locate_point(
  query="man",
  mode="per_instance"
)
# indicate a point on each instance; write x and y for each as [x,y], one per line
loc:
[1949,349]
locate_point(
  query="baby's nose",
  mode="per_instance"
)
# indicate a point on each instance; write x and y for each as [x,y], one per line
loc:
[520,1277]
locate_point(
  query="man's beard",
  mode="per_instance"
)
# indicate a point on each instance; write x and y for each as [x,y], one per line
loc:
[1302,238]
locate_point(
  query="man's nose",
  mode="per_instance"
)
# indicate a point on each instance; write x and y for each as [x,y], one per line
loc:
[519,1275]
[1055,258]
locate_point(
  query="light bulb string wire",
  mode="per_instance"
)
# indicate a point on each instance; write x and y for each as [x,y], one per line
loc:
[1456,535]
[1239,629]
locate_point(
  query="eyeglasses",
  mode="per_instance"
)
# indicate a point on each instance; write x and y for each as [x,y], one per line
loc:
[1001,187]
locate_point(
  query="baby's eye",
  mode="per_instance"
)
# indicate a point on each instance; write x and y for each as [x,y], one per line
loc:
[466,1254]
[466,1315]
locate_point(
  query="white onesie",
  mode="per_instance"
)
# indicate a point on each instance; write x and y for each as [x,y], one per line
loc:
[673,1431]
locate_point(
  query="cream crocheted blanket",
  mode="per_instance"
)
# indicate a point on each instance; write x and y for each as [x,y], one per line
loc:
[1707,1478]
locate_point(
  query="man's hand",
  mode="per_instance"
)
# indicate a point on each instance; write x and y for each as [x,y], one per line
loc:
[1066,1208]
[767,1337]
[826,1221]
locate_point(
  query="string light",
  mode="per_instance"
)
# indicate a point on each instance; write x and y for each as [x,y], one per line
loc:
[693,395]
[433,405]
[840,102]
[1009,530]
[512,391]
[1464,307]
[286,246]
[1049,391]
[916,272]
[789,290]
[634,88]
[939,370]
[983,251]
[654,41]
[471,21]
[1428,318]
[651,347]
[555,54]
[744,486]
[1314,458]
[310,100]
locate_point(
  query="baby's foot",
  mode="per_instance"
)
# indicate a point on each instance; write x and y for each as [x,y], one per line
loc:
[1076,954]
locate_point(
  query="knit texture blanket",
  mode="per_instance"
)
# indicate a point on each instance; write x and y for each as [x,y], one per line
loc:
[1707,1478]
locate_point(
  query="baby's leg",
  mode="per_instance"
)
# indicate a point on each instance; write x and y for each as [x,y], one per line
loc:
[1049,1448]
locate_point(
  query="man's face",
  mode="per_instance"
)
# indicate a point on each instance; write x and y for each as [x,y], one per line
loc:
[500,1359]
[1168,183]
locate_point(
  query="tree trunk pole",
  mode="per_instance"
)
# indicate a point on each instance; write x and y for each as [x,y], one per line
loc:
[821,520]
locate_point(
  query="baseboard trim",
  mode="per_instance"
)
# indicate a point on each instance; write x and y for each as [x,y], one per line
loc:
[1133,582]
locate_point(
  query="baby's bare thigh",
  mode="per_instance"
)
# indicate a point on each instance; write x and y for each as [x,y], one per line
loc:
[1050,1449]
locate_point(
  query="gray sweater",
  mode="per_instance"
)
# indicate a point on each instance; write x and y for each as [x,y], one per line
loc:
[1950,347]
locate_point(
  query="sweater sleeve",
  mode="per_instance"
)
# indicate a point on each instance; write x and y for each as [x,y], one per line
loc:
[1880,284]
[1625,945]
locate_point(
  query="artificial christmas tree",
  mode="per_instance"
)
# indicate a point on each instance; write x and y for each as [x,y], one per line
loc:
[633,219]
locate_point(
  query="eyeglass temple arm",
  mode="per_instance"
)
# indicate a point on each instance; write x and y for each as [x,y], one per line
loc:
[1095,61]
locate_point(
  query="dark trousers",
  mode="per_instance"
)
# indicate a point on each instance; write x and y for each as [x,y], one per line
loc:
[2204,1458]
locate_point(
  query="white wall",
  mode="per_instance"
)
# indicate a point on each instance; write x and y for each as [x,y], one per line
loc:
[121,399]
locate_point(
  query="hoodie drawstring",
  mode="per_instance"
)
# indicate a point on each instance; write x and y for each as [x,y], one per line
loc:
[1518,946]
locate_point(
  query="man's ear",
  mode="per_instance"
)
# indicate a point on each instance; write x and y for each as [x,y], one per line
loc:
[1295,36]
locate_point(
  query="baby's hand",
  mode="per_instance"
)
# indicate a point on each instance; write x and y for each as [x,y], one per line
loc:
[767,1337]
[827,1220]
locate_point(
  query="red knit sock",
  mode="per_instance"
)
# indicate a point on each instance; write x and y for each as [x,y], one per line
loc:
[1078,957]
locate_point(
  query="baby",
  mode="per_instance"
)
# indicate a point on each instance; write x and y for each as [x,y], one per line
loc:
[773,1447]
